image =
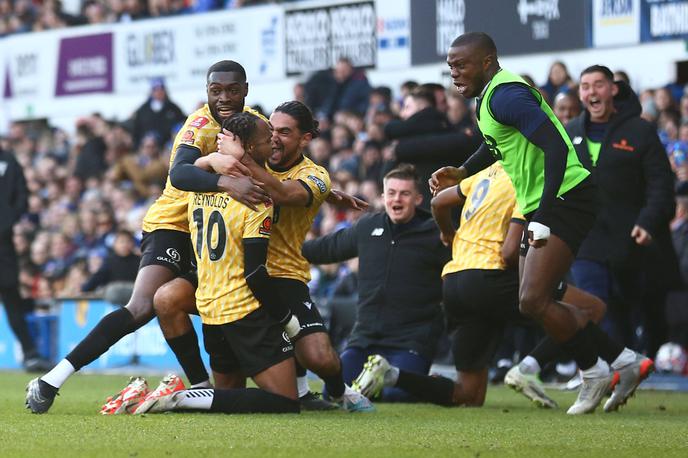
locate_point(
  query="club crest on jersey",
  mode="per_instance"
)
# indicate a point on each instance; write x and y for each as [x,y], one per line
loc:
[199,122]
[265,226]
[188,137]
[319,183]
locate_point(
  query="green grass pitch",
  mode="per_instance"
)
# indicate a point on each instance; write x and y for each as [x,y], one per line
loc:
[653,424]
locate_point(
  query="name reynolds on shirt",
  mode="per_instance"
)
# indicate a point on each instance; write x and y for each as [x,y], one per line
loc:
[211,200]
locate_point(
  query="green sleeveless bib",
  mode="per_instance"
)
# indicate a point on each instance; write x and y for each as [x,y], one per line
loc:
[522,160]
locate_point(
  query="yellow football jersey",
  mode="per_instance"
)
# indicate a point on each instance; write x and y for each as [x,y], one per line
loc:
[489,208]
[200,131]
[291,224]
[218,226]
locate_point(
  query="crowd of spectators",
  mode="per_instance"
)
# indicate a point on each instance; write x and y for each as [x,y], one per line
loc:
[19,16]
[90,188]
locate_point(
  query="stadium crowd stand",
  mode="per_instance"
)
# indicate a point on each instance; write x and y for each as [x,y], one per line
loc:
[21,16]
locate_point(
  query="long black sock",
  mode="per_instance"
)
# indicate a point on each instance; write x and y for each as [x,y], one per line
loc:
[582,347]
[438,390]
[16,317]
[546,351]
[334,384]
[300,370]
[185,348]
[252,400]
[608,349]
[109,330]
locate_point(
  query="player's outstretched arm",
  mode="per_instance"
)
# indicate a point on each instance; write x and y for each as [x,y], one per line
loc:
[289,193]
[335,247]
[345,200]
[441,206]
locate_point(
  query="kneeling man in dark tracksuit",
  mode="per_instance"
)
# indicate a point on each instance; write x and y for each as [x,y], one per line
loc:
[400,285]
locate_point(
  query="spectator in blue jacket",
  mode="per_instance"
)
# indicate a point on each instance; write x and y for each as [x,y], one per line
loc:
[351,91]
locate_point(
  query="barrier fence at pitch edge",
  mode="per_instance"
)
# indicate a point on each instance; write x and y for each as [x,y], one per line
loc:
[58,333]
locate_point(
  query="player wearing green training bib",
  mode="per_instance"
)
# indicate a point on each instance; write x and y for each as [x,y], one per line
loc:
[553,191]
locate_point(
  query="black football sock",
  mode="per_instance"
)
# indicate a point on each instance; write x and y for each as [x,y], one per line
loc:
[109,330]
[608,349]
[438,390]
[300,370]
[188,353]
[546,351]
[252,400]
[582,347]
[334,384]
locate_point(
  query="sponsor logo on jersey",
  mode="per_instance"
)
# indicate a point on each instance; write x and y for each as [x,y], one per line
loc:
[319,183]
[199,122]
[308,304]
[265,226]
[188,137]
[378,231]
[577,140]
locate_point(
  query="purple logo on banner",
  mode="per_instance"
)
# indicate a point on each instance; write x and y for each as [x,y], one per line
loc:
[85,65]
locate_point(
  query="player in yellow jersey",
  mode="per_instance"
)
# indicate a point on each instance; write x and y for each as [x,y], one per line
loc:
[233,297]
[480,290]
[298,187]
[165,247]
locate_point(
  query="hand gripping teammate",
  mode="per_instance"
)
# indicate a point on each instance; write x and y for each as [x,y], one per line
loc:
[235,299]
[166,247]
[298,187]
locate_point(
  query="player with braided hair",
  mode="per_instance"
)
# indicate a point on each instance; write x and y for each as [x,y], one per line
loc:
[241,125]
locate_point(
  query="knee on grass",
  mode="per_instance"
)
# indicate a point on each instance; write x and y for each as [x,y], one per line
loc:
[468,395]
